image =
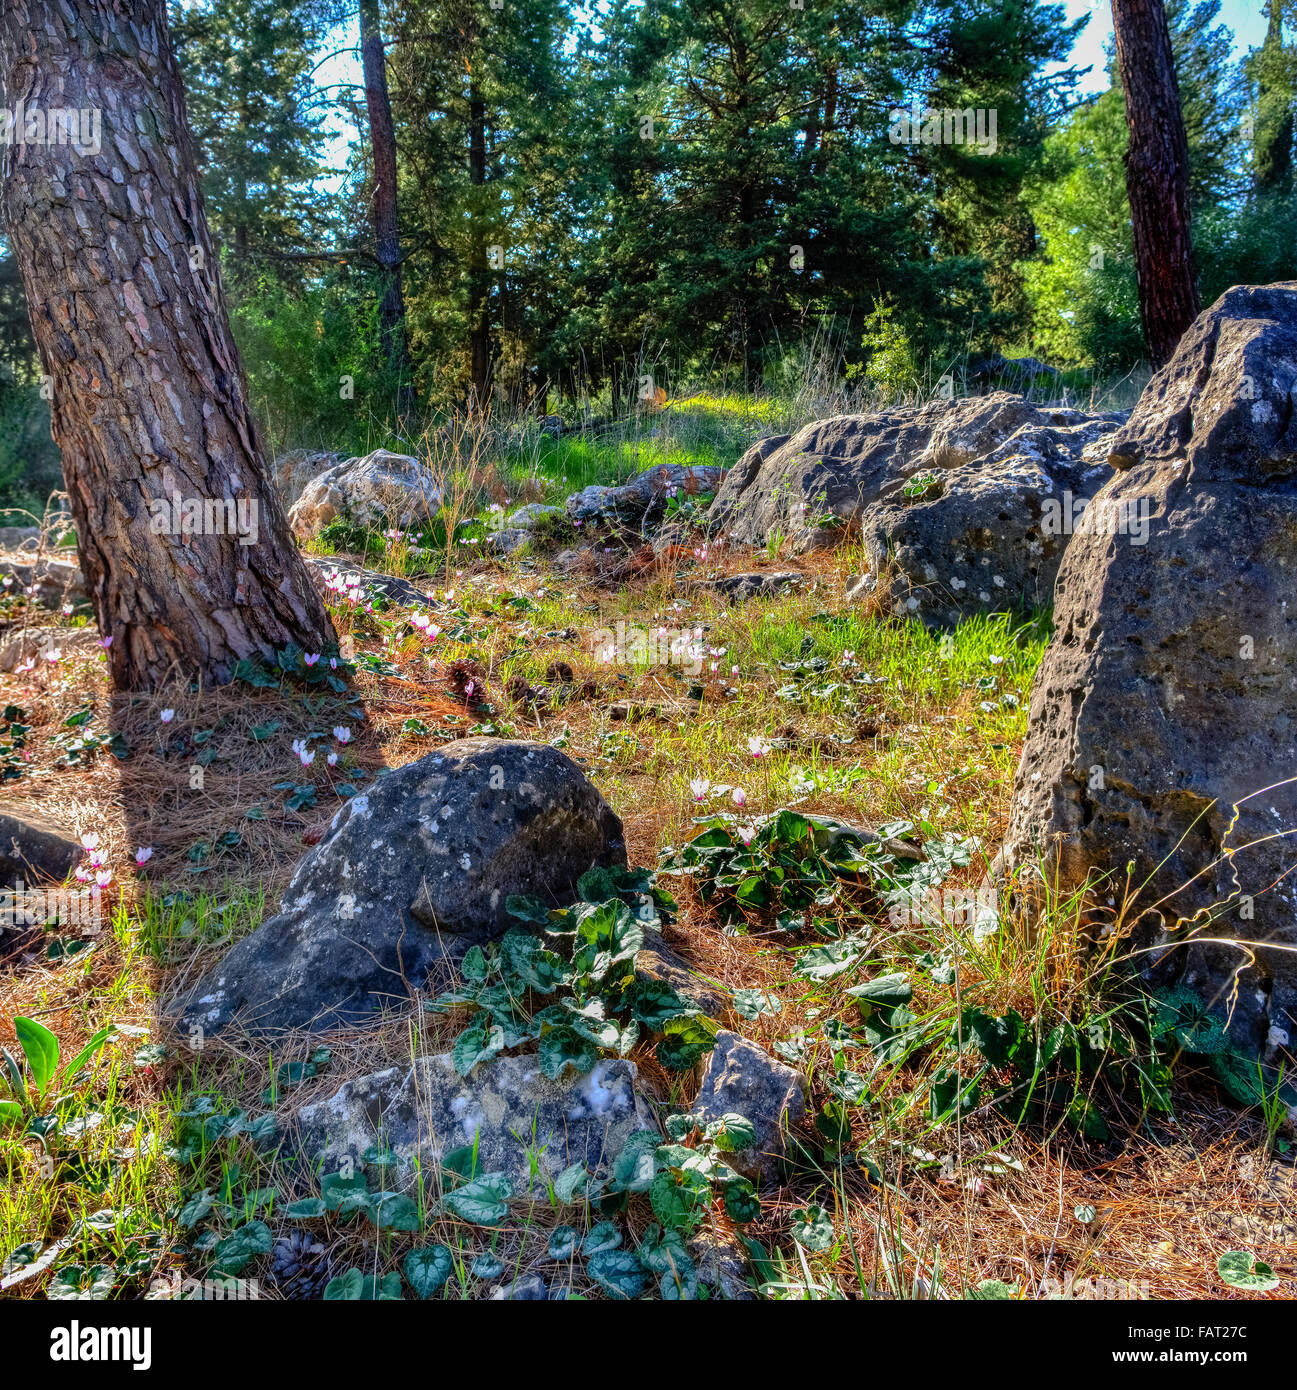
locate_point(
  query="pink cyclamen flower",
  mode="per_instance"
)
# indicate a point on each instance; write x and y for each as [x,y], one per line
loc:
[90,841]
[107,642]
[342,734]
[699,786]
[746,832]
[332,760]
[758,747]
[143,855]
[739,797]
[307,758]
[167,716]
[103,878]
[311,658]
[83,874]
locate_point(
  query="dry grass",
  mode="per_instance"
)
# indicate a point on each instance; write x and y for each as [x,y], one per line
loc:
[995,1202]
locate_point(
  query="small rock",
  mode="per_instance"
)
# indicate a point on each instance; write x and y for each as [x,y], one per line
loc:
[56,581]
[294,470]
[722,1262]
[530,1286]
[742,1079]
[528,516]
[658,961]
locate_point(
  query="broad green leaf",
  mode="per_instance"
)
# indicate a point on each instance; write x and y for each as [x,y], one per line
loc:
[812,1228]
[886,990]
[304,1209]
[732,1133]
[568,1181]
[482,1202]
[751,1004]
[600,1237]
[241,1247]
[195,1209]
[634,1167]
[564,1047]
[686,1041]
[41,1048]
[562,1243]
[1240,1269]
[618,1273]
[477,1043]
[428,1268]
[394,1211]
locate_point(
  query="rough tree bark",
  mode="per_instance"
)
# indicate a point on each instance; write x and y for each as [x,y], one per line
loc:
[1157,175]
[383,211]
[149,404]
[479,326]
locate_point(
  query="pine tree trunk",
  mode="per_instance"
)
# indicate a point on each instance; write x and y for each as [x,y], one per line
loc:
[149,403]
[1157,175]
[383,211]
[479,330]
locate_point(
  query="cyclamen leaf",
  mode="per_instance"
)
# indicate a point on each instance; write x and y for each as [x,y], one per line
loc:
[568,1181]
[601,1237]
[477,1043]
[427,1269]
[618,1273]
[482,1202]
[564,1047]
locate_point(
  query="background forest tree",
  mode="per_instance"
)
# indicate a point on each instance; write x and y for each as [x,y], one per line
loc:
[706,194]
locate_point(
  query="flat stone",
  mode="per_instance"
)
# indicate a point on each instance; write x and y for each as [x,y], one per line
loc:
[742,1079]
[756,584]
[392,587]
[508,1107]
[722,1261]
[658,961]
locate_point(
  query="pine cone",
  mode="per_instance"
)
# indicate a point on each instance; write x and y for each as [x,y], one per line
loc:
[300,1266]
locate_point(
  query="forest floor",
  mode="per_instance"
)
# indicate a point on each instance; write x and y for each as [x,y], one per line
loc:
[1130,1180]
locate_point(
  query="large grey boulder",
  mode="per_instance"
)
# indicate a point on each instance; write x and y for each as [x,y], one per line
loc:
[987,535]
[415,869]
[294,470]
[380,490]
[421,1110]
[1163,725]
[813,488]
[34,848]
